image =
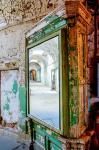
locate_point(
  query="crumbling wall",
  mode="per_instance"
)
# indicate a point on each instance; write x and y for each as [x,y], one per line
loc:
[19,17]
[12,56]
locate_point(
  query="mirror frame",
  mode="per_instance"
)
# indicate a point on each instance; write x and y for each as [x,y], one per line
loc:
[63,83]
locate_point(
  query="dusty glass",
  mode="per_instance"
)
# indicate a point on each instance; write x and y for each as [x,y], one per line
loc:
[44,82]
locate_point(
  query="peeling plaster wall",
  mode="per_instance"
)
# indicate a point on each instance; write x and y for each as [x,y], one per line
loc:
[12,56]
[12,47]
[9,96]
[22,10]
[20,16]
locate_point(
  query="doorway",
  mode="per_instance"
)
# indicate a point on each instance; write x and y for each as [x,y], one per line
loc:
[34,75]
[10,96]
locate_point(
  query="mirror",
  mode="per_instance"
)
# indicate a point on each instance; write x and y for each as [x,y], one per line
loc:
[44,82]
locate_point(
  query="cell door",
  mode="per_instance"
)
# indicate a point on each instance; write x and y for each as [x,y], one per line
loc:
[34,75]
[10,96]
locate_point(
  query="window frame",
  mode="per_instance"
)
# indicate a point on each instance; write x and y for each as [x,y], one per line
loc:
[63,83]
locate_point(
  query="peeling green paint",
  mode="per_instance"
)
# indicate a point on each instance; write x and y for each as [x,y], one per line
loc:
[72,48]
[8,99]
[22,98]
[15,87]
[51,18]
[73,87]
[6,107]
[55,25]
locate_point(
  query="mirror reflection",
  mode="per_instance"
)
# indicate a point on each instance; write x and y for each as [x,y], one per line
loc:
[44,82]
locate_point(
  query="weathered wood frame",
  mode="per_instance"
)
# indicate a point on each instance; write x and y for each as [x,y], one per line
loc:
[63,73]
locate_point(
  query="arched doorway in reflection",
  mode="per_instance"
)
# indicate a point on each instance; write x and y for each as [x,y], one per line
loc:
[44,95]
[35,72]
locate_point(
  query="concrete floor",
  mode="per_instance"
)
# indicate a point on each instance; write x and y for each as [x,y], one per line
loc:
[12,140]
[44,104]
[10,143]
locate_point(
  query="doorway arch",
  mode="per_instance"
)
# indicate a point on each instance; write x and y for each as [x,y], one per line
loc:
[34,75]
[35,72]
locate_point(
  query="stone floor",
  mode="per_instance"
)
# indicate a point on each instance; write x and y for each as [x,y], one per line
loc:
[10,140]
[47,102]
[9,143]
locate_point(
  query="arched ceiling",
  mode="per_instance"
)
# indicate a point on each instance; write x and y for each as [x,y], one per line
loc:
[45,50]
[35,66]
[38,59]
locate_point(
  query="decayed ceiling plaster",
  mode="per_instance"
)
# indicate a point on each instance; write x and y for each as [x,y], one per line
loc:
[20,10]
[13,11]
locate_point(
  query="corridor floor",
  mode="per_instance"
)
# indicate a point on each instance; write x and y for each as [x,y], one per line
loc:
[10,142]
[46,100]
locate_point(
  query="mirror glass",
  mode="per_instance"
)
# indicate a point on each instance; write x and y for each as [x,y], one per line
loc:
[44,82]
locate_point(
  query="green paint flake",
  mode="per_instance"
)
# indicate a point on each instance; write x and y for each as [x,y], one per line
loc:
[6,107]
[73,87]
[55,25]
[22,98]
[72,48]
[10,113]
[8,99]
[61,23]
[74,119]
[51,18]
[15,87]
